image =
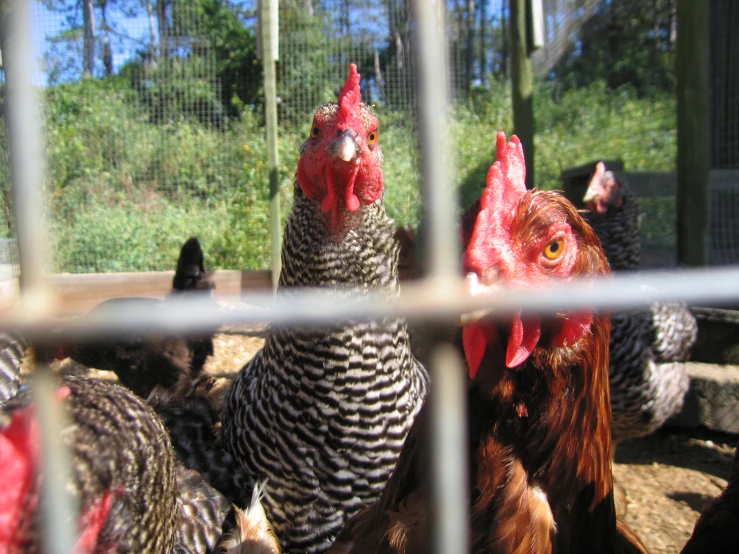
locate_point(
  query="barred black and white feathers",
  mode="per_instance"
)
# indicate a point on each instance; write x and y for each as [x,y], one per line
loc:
[133,494]
[12,352]
[322,413]
[201,510]
[191,418]
[123,473]
[648,348]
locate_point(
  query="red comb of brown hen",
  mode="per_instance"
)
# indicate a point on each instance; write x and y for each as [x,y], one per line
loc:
[506,184]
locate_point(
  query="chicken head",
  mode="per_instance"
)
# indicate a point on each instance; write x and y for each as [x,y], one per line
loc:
[340,161]
[525,238]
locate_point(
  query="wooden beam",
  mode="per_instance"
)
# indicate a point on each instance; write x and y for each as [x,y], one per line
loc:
[522,85]
[78,293]
[693,142]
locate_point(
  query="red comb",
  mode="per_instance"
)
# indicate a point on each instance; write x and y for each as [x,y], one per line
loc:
[350,98]
[351,95]
[19,450]
[506,185]
[507,176]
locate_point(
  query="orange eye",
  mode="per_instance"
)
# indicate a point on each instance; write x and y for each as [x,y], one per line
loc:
[554,249]
[315,131]
[373,137]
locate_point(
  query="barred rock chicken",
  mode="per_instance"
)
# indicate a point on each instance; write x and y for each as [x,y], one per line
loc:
[12,352]
[124,473]
[143,362]
[322,413]
[717,530]
[539,412]
[133,495]
[648,347]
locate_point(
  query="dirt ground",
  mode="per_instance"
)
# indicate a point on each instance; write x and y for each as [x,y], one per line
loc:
[668,477]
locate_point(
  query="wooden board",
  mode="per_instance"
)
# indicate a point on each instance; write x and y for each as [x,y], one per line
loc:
[78,293]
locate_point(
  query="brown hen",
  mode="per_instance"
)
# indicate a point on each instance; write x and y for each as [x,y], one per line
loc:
[539,407]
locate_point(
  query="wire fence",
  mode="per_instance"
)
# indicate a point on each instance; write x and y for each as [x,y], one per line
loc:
[419,302]
[165,138]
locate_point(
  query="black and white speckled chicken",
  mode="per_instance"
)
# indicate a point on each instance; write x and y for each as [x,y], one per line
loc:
[12,352]
[142,362]
[648,348]
[133,494]
[124,473]
[322,412]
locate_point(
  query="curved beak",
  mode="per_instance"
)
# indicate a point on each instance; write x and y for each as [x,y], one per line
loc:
[345,147]
[595,187]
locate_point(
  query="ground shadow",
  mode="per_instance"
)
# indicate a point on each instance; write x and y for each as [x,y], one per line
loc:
[697,502]
[675,448]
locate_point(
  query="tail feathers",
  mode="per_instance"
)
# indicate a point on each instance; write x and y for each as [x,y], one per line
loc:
[190,272]
[252,533]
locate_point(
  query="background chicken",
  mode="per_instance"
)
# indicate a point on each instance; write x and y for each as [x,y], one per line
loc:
[322,412]
[142,362]
[717,530]
[539,412]
[648,347]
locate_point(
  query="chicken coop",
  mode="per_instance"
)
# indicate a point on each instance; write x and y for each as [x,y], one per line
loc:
[128,128]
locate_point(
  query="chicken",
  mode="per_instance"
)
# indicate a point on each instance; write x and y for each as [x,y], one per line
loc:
[648,347]
[124,473]
[191,418]
[143,362]
[322,413]
[133,494]
[716,530]
[12,353]
[539,413]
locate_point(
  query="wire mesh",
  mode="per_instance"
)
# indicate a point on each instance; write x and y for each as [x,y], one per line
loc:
[167,141]
[573,295]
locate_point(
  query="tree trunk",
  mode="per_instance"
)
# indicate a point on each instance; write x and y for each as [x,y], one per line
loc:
[88,58]
[504,48]
[152,31]
[378,77]
[308,6]
[470,63]
[163,29]
[483,37]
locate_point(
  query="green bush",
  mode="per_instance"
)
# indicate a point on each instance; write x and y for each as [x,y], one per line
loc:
[125,193]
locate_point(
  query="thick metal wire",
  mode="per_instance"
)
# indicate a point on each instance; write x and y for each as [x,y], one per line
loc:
[27,162]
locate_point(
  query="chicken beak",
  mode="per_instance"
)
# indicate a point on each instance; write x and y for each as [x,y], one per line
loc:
[595,187]
[345,147]
[591,195]
[472,282]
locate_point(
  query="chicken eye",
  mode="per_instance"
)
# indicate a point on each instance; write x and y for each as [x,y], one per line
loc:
[554,249]
[315,131]
[373,137]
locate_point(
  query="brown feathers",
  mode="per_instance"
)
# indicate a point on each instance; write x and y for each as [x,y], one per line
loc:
[252,533]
